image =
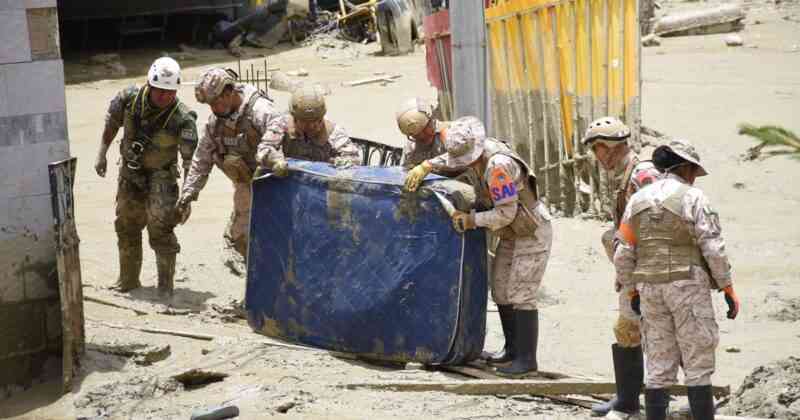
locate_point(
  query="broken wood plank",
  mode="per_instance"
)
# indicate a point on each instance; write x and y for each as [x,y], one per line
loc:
[113,305]
[387,78]
[177,333]
[720,19]
[512,387]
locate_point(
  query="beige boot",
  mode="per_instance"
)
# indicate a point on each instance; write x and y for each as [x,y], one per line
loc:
[130,266]
[166,274]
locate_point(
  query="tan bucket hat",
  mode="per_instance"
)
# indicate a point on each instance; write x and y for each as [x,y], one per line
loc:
[464,141]
[685,150]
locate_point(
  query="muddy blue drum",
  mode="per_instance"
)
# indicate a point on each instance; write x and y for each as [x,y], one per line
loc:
[345,260]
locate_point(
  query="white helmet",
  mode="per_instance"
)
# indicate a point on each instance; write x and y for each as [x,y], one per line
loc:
[165,73]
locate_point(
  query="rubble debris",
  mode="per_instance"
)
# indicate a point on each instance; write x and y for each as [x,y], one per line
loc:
[651,40]
[139,353]
[186,334]
[328,47]
[784,309]
[196,378]
[734,41]
[233,311]
[112,304]
[216,413]
[106,400]
[285,407]
[770,391]
[739,185]
[733,349]
[721,19]
[378,79]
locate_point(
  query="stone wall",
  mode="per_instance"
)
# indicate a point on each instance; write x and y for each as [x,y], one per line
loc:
[33,133]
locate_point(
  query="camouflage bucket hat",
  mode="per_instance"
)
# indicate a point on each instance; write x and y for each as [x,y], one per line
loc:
[464,141]
[685,150]
[212,83]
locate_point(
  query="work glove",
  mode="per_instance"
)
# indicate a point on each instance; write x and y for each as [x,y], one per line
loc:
[183,209]
[463,222]
[281,169]
[636,302]
[342,163]
[416,175]
[733,302]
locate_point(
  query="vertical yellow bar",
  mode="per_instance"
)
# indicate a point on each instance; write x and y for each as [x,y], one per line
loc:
[599,55]
[564,25]
[631,64]
[615,57]
[583,68]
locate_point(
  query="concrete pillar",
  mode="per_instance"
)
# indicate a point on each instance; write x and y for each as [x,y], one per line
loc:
[33,133]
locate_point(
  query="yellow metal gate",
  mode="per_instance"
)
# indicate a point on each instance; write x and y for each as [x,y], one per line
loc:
[554,67]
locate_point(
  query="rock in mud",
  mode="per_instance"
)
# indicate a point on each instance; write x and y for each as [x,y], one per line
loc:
[734,41]
[770,391]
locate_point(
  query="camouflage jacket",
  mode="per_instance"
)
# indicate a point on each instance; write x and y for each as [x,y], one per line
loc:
[282,141]
[239,135]
[177,121]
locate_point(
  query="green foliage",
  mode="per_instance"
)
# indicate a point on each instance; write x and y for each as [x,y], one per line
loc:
[772,136]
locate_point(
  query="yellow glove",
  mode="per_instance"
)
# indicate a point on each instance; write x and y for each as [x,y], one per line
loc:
[416,175]
[280,168]
[463,221]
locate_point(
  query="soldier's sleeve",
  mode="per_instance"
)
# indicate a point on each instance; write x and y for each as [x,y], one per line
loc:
[708,232]
[407,160]
[188,136]
[439,164]
[501,173]
[343,147]
[115,115]
[625,250]
[202,164]
[269,148]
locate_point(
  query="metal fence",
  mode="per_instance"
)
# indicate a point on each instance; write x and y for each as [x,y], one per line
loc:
[554,66]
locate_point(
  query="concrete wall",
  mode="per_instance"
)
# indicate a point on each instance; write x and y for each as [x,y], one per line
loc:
[33,133]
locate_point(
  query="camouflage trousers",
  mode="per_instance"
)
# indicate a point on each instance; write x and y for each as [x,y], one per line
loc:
[679,328]
[237,233]
[519,265]
[152,207]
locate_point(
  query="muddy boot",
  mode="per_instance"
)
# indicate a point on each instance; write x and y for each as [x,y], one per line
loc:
[702,402]
[166,274]
[130,266]
[507,353]
[656,402]
[629,375]
[526,339]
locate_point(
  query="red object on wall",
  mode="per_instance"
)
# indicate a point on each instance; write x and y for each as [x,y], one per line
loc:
[437,27]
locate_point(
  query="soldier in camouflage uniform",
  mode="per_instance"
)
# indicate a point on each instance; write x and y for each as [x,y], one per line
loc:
[672,249]
[608,139]
[424,133]
[304,133]
[157,129]
[241,114]
[509,206]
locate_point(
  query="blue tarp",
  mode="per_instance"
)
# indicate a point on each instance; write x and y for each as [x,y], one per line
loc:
[344,260]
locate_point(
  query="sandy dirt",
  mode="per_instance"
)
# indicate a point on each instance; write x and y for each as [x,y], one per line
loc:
[694,87]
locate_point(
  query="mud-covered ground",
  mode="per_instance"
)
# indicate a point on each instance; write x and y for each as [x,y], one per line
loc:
[694,87]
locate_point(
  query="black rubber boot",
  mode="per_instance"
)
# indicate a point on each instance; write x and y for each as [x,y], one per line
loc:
[656,402]
[702,402]
[130,267]
[526,340]
[166,274]
[507,321]
[629,376]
